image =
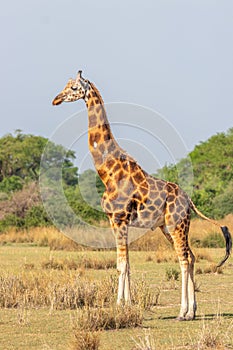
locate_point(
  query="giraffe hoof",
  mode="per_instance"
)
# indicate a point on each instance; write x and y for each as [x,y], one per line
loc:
[185,318]
[189,317]
[180,318]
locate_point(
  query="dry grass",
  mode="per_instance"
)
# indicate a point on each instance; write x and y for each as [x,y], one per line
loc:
[90,321]
[199,228]
[162,256]
[143,295]
[84,262]
[111,317]
[151,241]
[70,291]
[41,289]
[41,303]
[94,301]
[212,335]
[212,268]
[145,343]
[203,255]
[42,237]
[66,282]
[83,340]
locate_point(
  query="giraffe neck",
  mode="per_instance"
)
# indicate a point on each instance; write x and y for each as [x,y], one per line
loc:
[100,138]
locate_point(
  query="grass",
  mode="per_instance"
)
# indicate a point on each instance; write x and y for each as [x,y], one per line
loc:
[202,234]
[172,274]
[48,323]
[84,262]
[83,340]
[65,299]
[212,335]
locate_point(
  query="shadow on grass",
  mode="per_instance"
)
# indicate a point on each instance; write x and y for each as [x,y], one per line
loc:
[213,316]
[198,318]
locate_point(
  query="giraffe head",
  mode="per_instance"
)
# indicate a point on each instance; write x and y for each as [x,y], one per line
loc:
[74,90]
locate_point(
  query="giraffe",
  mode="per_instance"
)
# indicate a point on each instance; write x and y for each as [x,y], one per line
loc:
[134,198]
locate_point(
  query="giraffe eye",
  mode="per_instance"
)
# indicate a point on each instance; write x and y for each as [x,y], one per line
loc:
[74,88]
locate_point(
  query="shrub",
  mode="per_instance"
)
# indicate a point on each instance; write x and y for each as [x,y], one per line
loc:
[223,203]
[213,269]
[213,240]
[84,263]
[36,216]
[113,317]
[9,221]
[172,274]
[143,295]
[83,340]
[11,184]
[213,336]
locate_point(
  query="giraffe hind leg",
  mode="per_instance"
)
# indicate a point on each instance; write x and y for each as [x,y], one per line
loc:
[186,259]
[191,289]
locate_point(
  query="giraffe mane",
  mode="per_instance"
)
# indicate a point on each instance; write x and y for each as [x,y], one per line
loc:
[97,92]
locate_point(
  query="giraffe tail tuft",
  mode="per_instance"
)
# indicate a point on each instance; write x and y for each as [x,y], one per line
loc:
[224,229]
[228,241]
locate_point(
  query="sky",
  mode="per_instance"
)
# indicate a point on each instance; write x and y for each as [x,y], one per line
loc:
[172,57]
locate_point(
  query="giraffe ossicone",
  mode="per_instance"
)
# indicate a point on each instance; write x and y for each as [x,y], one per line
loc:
[134,198]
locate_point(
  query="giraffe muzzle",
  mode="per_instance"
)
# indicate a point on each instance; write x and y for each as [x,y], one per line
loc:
[58,99]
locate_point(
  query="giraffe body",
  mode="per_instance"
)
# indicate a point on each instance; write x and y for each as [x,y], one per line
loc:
[134,198]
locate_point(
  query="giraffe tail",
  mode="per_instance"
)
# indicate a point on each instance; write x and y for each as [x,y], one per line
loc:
[225,231]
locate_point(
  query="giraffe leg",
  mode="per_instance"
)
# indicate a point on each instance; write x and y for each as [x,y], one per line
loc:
[166,233]
[184,290]
[123,267]
[186,259]
[191,289]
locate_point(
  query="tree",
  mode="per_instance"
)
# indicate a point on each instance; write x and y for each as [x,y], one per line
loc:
[21,155]
[213,174]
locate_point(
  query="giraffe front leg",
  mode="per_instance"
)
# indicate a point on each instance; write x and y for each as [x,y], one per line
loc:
[124,275]
[123,267]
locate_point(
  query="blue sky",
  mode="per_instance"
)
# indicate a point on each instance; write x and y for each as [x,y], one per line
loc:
[174,57]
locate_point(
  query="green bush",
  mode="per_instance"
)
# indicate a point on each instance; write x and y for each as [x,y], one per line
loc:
[172,274]
[213,174]
[223,203]
[11,184]
[213,240]
[9,221]
[36,216]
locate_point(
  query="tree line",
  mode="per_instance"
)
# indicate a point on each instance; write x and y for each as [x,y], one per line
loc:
[21,205]
[20,169]
[212,183]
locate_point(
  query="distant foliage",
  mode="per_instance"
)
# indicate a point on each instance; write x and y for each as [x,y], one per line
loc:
[212,163]
[20,168]
[36,216]
[213,240]
[11,220]
[87,209]
[23,209]
[11,184]
[22,161]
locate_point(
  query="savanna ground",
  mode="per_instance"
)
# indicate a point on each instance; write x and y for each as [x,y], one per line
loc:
[55,295]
